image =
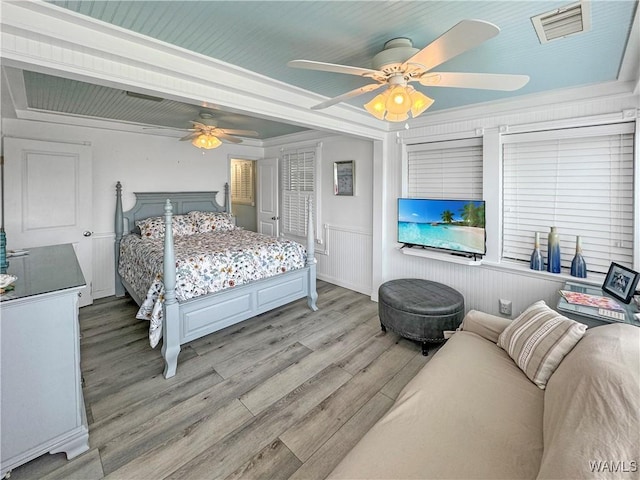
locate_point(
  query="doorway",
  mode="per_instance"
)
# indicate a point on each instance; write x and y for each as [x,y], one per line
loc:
[243,193]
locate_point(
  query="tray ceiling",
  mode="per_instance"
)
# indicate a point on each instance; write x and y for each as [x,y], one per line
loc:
[263,36]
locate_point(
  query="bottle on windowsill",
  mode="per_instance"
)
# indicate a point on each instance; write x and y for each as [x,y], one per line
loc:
[578,265]
[536,263]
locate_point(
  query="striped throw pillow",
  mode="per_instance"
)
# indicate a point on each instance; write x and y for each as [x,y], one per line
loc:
[539,339]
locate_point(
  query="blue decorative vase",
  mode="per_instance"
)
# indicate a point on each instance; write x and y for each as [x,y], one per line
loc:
[553,252]
[536,263]
[4,265]
[578,265]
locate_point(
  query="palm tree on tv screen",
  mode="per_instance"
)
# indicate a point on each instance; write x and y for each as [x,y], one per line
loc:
[473,215]
[447,216]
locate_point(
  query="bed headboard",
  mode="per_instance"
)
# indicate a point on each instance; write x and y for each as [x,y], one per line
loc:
[151,204]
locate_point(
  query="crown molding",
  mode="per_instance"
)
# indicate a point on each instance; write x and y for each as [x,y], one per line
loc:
[49,39]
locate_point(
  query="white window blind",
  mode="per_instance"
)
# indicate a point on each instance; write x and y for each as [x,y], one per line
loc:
[298,186]
[445,170]
[242,182]
[579,180]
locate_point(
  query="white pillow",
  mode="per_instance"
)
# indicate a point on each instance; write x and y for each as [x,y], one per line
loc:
[153,227]
[539,339]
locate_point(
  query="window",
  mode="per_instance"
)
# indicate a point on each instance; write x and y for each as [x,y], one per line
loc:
[579,180]
[445,170]
[242,182]
[298,186]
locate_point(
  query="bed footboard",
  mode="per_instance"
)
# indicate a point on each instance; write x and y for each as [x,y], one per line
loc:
[195,318]
[192,319]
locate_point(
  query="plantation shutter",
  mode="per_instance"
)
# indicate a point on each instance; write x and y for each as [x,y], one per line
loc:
[579,180]
[242,182]
[445,170]
[298,187]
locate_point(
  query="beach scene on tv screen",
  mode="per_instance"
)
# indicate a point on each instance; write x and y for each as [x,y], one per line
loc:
[456,225]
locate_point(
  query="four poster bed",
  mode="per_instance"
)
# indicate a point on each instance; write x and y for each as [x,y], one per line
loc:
[193,272]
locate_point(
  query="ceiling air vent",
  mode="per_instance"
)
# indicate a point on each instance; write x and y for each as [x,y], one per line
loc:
[562,22]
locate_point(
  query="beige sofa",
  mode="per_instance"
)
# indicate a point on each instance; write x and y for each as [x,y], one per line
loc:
[472,413]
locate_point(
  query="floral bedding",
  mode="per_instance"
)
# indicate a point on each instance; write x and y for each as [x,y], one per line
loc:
[205,263]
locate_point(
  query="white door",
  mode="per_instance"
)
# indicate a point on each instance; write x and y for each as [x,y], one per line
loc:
[267,191]
[48,199]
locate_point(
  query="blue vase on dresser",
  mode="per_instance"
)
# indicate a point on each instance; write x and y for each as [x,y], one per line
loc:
[578,265]
[553,252]
[537,262]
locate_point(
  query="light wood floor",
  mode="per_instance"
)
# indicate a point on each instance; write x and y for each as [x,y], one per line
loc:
[283,395]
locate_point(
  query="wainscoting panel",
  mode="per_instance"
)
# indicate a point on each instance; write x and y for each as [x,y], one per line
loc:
[103,267]
[346,260]
[482,286]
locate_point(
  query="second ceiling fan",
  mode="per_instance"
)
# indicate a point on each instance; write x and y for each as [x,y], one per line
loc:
[206,134]
[400,63]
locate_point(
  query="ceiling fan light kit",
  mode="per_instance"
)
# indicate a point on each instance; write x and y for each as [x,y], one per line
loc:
[396,102]
[207,135]
[399,63]
[206,141]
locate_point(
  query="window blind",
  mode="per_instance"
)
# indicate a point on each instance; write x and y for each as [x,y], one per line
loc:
[445,170]
[580,181]
[298,186]
[242,182]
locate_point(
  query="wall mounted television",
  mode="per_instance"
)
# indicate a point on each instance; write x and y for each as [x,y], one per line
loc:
[457,226]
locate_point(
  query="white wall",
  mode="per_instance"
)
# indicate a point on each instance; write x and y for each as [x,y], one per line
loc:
[345,254]
[352,254]
[140,162]
[483,285]
[154,163]
[347,211]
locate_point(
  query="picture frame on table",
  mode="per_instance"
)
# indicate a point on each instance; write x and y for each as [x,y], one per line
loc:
[620,282]
[344,174]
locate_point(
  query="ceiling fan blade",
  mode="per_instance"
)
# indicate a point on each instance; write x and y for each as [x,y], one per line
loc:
[461,37]
[191,136]
[332,67]
[484,81]
[228,138]
[242,133]
[346,96]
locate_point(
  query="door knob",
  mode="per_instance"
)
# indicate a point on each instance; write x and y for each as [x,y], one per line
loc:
[275,218]
[87,233]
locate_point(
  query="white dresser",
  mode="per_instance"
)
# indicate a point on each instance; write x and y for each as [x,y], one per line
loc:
[42,407]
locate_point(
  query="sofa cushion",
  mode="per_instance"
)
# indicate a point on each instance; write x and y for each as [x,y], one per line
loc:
[592,408]
[484,324]
[539,339]
[469,413]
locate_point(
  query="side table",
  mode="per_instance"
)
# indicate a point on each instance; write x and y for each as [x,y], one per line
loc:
[589,315]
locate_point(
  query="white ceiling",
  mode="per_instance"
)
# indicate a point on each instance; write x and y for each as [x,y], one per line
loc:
[263,36]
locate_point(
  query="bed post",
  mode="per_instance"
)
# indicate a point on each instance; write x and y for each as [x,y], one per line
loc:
[227,198]
[311,259]
[119,230]
[170,307]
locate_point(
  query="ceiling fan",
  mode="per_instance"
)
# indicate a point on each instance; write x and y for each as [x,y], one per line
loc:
[399,63]
[206,134]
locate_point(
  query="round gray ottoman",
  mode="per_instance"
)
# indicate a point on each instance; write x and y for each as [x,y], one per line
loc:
[419,309]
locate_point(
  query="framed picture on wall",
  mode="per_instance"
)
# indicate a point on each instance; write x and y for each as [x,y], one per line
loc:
[620,282]
[344,174]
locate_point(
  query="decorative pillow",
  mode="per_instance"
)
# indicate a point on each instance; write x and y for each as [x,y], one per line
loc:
[153,227]
[213,221]
[539,339]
